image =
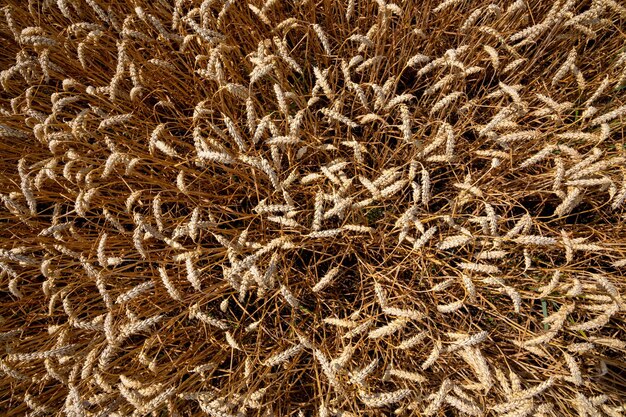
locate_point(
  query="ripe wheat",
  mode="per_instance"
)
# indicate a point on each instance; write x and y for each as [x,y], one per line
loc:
[262,208]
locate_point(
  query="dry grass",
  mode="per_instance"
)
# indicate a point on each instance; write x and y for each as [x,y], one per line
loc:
[298,208]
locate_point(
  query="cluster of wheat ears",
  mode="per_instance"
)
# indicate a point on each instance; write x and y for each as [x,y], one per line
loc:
[312,208]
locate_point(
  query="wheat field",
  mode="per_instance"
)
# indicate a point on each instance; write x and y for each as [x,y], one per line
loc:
[313,208]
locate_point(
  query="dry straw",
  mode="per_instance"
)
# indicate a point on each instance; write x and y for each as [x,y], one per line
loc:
[339,208]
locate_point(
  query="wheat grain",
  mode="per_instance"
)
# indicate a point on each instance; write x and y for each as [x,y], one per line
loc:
[371,62]
[215,156]
[468,341]
[169,286]
[398,100]
[289,297]
[357,228]
[403,313]
[389,329]
[134,292]
[441,84]
[424,238]
[26,187]
[361,328]
[324,233]
[483,268]
[326,279]
[471,20]
[409,376]
[477,362]
[515,298]
[342,360]
[253,326]
[261,71]
[231,341]
[358,377]
[364,40]
[383,399]
[195,313]
[535,240]
[263,165]
[412,341]
[576,376]
[417,59]
[463,406]
[570,201]
[444,102]
[137,327]
[589,182]
[451,307]
[444,5]
[620,111]
[23,357]
[322,37]
[546,290]
[434,355]
[328,370]
[340,322]
[454,241]
[331,114]
[381,296]
[580,347]
[438,398]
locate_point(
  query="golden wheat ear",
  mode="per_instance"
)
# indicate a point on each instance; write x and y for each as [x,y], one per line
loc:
[357,208]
